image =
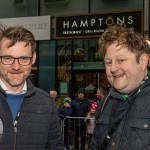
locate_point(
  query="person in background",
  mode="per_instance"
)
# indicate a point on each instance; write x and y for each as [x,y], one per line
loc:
[90,119]
[53,94]
[80,107]
[100,95]
[69,98]
[64,111]
[29,116]
[122,120]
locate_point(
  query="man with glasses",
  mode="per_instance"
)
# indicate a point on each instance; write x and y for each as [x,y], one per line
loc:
[28,116]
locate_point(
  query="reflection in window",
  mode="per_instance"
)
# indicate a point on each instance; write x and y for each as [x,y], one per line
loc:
[64,60]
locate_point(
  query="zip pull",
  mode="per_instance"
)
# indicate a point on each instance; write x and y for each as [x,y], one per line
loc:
[15,129]
[15,122]
[1,129]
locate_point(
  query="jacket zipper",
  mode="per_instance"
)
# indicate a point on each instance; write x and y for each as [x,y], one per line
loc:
[15,137]
[15,129]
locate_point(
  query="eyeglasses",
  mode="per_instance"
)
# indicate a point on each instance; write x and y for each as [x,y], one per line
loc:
[9,60]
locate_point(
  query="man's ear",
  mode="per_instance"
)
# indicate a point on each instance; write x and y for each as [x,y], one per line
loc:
[144,60]
[34,58]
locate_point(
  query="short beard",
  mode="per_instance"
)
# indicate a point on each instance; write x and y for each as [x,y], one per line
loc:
[16,83]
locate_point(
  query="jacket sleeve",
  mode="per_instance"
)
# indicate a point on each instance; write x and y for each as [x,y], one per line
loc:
[54,140]
[94,144]
[61,113]
[70,111]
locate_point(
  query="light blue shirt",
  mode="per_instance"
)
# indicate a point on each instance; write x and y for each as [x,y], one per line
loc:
[14,99]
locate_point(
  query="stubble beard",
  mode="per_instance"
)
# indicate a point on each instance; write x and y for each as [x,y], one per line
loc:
[15,82]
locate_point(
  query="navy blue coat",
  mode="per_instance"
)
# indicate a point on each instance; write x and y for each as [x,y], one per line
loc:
[65,111]
[80,109]
[133,131]
[38,125]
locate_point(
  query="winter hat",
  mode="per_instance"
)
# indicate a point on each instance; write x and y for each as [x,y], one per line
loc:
[66,100]
[94,105]
[81,90]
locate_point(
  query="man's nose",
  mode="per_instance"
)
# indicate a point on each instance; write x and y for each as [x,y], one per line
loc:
[16,64]
[114,66]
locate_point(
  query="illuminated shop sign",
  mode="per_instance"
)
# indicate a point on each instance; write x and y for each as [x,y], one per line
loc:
[92,25]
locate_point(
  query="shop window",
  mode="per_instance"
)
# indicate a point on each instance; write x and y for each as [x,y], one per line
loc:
[64,55]
[76,56]
[79,55]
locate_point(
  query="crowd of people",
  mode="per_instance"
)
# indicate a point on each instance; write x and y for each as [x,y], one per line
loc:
[78,117]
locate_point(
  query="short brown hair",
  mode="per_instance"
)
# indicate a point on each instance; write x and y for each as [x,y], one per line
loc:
[124,36]
[17,34]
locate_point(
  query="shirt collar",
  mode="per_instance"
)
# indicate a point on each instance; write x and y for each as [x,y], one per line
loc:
[23,91]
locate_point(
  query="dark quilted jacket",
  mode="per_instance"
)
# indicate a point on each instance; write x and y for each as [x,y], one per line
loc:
[80,109]
[133,131]
[38,125]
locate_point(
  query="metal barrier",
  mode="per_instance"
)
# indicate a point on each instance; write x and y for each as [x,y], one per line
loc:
[61,123]
[74,130]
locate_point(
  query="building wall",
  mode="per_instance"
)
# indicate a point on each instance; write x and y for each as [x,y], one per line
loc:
[86,6]
[9,10]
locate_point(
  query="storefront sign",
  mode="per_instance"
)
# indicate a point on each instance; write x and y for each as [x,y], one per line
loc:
[92,25]
[39,26]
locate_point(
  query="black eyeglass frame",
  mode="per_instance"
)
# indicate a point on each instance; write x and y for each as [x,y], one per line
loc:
[13,59]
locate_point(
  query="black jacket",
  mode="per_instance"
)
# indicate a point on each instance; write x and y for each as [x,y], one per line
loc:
[64,111]
[38,126]
[133,130]
[80,109]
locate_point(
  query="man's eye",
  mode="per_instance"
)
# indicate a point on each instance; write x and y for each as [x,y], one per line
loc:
[108,63]
[7,58]
[24,58]
[121,60]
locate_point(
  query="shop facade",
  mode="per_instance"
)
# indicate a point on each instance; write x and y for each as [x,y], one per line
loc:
[79,62]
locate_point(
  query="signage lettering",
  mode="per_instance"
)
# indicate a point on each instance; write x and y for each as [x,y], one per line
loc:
[93,25]
[38,25]
[90,23]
